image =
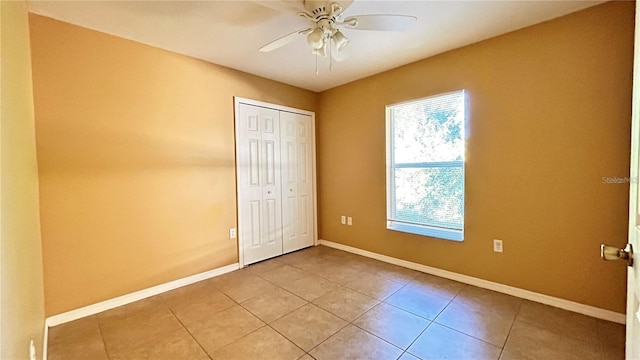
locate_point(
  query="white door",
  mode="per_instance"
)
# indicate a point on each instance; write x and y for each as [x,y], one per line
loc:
[258,162]
[297,181]
[633,273]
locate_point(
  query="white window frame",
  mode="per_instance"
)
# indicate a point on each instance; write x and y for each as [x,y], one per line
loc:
[417,228]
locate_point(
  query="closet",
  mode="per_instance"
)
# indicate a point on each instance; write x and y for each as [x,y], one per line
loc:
[275,166]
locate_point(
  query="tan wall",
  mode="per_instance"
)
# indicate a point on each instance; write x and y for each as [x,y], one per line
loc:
[22,297]
[136,160]
[549,116]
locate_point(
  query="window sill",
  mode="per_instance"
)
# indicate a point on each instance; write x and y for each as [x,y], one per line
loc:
[446,234]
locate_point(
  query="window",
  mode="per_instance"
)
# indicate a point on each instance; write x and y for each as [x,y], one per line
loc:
[425,166]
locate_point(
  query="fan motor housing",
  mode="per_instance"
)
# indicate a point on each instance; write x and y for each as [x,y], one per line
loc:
[322,8]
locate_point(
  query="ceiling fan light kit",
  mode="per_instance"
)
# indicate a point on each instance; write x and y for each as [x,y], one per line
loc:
[326,23]
[316,38]
[340,40]
[322,51]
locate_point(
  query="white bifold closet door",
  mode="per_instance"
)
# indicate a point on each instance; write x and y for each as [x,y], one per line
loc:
[275,182]
[297,185]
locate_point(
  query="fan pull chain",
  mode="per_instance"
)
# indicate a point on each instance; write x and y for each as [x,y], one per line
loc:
[330,55]
[317,73]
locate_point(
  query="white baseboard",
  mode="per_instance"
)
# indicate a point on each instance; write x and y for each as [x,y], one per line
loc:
[505,289]
[135,296]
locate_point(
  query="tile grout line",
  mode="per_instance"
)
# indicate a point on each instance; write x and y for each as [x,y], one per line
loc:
[431,322]
[349,322]
[104,343]
[249,311]
[188,331]
[511,328]
[472,336]
[387,341]
[307,302]
[236,303]
[370,309]
[541,327]
[409,311]
[329,337]
[291,341]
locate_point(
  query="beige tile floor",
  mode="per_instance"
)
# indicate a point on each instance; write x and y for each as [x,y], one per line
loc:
[322,303]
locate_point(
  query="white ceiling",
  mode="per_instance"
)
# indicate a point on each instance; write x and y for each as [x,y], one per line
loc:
[229,33]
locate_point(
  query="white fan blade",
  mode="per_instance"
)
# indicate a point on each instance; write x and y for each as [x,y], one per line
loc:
[292,6]
[345,4]
[382,22]
[280,42]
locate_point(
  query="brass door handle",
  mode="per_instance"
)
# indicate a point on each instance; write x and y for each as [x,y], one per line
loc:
[608,252]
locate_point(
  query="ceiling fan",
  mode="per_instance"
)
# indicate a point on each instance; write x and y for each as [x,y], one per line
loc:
[327,20]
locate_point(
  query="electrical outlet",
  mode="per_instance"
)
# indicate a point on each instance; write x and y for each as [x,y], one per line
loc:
[232,233]
[343,219]
[497,245]
[349,221]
